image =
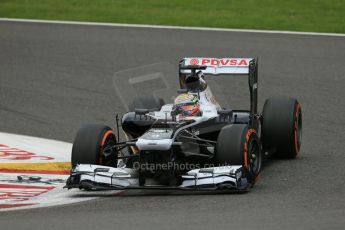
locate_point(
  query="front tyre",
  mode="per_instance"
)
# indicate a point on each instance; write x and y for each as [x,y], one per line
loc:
[89,144]
[239,145]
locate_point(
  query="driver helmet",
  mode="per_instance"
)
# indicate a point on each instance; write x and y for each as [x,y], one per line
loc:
[187,105]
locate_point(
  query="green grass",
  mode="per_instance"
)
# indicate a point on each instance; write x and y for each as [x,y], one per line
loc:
[296,15]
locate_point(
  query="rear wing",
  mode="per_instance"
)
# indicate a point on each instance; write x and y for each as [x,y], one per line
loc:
[225,66]
[215,66]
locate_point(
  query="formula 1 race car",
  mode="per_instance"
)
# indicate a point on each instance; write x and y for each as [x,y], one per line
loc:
[192,144]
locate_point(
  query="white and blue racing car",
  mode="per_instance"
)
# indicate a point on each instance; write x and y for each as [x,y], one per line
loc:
[191,144]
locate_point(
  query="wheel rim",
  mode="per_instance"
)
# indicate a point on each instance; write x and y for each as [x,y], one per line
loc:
[109,139]
[254,157]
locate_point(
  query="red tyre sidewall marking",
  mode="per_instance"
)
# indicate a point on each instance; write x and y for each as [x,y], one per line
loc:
[246,164]
[106,136]
[109,132]
[249,133]
[297,144]
[245,155]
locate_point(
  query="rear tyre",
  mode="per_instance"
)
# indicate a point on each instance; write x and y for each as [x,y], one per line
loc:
[238,145]
[89,144]
[282,126]
[146,102]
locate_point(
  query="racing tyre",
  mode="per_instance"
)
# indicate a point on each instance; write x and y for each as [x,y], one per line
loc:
[146,102]
[89,144]
[282,127]
[239,145]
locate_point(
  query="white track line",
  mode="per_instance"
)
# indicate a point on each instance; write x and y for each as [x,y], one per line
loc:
[170,27]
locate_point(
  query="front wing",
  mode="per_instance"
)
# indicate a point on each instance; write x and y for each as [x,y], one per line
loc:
[96,177]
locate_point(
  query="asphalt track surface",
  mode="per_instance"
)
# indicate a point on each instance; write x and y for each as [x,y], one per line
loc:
[54,78]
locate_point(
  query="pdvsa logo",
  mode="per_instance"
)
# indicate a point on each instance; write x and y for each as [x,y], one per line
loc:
[224,62]
[194,61]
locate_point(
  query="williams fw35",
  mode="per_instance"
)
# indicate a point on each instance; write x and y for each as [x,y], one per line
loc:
[193,143]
